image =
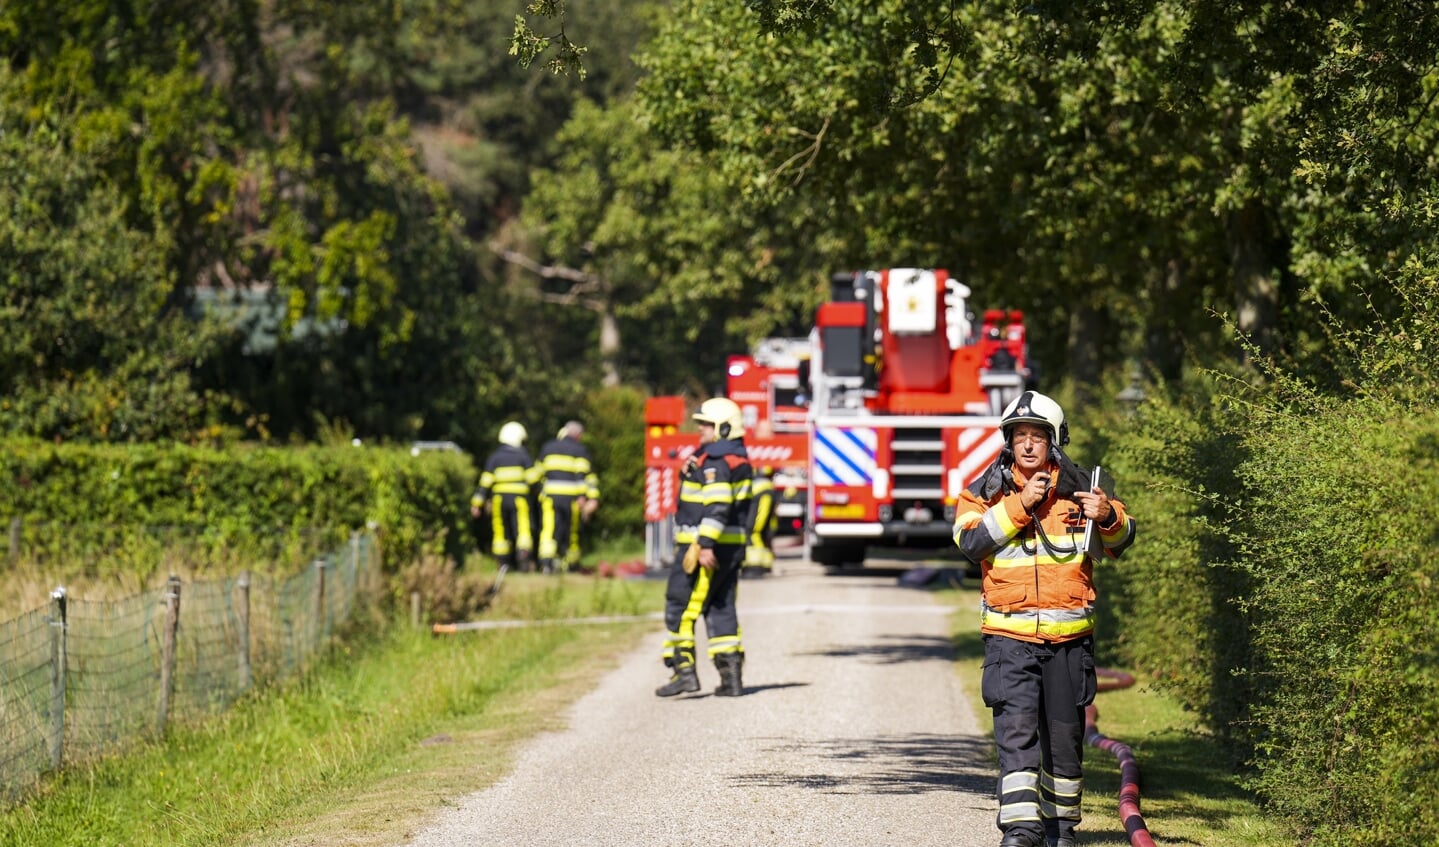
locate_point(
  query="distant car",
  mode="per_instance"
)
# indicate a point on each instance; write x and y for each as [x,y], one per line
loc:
[419,447]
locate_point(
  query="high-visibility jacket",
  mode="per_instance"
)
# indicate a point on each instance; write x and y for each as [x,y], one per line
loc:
[564,466]
[762,523]
[508,470]
[714,500]
[1033,590]
[762,518]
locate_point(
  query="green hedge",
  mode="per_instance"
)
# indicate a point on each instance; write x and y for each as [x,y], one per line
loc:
[1284,582]
[240,495]
[1340,547]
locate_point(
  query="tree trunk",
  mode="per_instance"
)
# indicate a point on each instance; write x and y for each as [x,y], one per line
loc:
[609,344]
[1256,287]
[1087,326]
[1163,339]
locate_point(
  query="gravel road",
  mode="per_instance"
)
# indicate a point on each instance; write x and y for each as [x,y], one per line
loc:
[853,731]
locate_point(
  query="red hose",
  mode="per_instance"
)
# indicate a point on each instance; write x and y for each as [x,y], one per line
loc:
[1129,815]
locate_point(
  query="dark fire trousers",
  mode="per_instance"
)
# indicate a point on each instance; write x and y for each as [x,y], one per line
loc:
[688,597]
[1038,693]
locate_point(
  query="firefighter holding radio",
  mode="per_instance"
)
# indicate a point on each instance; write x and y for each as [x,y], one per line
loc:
[1024,522]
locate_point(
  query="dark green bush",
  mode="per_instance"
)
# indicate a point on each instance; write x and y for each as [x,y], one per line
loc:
[1339,544]
[615,434]
[238,496]
[1283,585]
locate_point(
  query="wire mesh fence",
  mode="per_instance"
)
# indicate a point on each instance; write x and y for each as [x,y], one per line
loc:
[81,679]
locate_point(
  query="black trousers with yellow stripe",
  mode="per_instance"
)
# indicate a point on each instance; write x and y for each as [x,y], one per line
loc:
[559,529]
[703,594]
[1038,693]
[510,527]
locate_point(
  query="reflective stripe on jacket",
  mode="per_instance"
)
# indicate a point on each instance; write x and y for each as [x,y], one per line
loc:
[564,464]
[507,471]
[1034,591]
[714,499]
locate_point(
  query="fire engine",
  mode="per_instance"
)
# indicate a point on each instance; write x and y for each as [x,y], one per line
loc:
[878,419]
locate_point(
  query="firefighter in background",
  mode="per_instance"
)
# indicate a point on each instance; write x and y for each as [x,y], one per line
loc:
[759,549]
[569,494]
[1023,522]
[504,493]
[710,530]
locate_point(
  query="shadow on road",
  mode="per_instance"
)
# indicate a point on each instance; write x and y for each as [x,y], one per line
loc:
[903,764]
[894,649]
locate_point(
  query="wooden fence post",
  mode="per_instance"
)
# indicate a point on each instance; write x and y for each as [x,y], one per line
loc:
[320,628]
[15,526]
[57,676]
[167,654]
[242,615]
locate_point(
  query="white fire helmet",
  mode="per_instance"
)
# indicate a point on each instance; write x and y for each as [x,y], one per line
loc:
[1033,407]
[513,434]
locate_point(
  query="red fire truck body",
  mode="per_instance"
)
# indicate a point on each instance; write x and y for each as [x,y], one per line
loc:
[874,424]
[766,386]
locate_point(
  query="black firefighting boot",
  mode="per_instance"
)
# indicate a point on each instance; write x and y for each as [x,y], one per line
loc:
[1021,838]
[685,680]
[729,666]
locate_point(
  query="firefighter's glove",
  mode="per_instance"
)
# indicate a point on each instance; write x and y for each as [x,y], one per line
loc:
[755,555]
[692,557]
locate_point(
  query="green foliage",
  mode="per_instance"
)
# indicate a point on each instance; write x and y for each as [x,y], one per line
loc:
[1173,599]
[240,494]
[1283,585]
[615,432]
[527,45]
[1336,541]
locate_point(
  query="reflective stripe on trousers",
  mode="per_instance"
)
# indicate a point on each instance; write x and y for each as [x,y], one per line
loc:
[510,524]
[1038,693]
[688,597]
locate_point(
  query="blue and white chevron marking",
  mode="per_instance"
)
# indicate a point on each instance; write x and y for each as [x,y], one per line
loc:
[844,455]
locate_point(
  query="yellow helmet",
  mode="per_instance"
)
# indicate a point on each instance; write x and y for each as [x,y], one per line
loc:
[725,414]
[513,434]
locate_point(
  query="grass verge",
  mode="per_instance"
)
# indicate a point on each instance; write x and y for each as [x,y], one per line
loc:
[362,750]
[1189,793]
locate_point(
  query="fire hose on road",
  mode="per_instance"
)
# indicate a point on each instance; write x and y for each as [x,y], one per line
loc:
[1129,815]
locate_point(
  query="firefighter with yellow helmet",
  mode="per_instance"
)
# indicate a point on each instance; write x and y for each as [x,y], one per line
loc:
[504,492]
[1024,521]
[710,531]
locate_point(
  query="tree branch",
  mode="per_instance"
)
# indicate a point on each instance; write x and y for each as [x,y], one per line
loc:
[584,284]
[808,154]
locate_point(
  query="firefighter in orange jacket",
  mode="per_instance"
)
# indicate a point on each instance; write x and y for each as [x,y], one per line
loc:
[710,524]
[1023,522]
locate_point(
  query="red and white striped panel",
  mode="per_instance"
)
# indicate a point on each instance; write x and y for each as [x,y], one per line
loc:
[660,497]
[768,454]
[979,446]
